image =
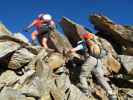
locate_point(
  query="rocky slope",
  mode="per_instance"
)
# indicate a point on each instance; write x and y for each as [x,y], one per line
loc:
[32,73]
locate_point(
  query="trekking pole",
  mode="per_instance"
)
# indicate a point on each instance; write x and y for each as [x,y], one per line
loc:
[33,42]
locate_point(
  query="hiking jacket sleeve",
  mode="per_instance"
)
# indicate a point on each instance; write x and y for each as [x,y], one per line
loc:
[77,48]
[32,24]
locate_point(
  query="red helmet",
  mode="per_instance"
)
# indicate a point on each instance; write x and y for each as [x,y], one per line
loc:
[87,36]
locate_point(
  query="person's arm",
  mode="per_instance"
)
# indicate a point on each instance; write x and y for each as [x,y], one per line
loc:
[77,48]
[32,24]
[33,37]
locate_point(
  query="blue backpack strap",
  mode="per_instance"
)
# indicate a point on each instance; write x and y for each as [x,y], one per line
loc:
[83,42]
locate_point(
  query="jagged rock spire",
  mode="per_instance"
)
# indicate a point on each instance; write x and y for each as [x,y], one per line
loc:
[4,30]
[72,30]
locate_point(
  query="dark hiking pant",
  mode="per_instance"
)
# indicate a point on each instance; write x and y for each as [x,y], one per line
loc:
[44,32]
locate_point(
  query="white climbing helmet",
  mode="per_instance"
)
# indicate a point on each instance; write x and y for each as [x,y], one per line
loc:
[47,17]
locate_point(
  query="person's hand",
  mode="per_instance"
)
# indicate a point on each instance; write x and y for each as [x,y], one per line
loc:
[66,51]
[69,51]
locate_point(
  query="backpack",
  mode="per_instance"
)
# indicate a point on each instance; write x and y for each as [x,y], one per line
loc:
[93,48]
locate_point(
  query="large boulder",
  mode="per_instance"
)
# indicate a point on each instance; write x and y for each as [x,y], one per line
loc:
[111,63]
[110,30]
[11,38]
[57,41]
[11,94]
[127,62]
[72,30]
[107,46]
[20,58]
[76,94]
[8,45]
[47,85]
[56,60]
[8,78]
[6,50]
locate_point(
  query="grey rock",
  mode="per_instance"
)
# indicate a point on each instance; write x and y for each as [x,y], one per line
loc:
[57,41]
[31,90]
[76,94]
[11,38]
[127,62]
[30,98]
[111,64]
[107,46]
[20,58]
[55,60]
[62,81]
[39,84]
[7,47]
[11,94]
[57,93]
[27,75]
[33,49]
[21,37]
[8,78]
[119,33]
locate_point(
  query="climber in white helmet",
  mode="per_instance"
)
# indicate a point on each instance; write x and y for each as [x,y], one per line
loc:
[47,17]
[44,24]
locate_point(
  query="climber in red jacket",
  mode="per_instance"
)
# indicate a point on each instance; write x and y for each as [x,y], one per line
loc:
[44,24]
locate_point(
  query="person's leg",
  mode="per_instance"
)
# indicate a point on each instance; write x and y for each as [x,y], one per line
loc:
[34,35]
[86,69]
[44,35]
[44,42]
[99,74]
